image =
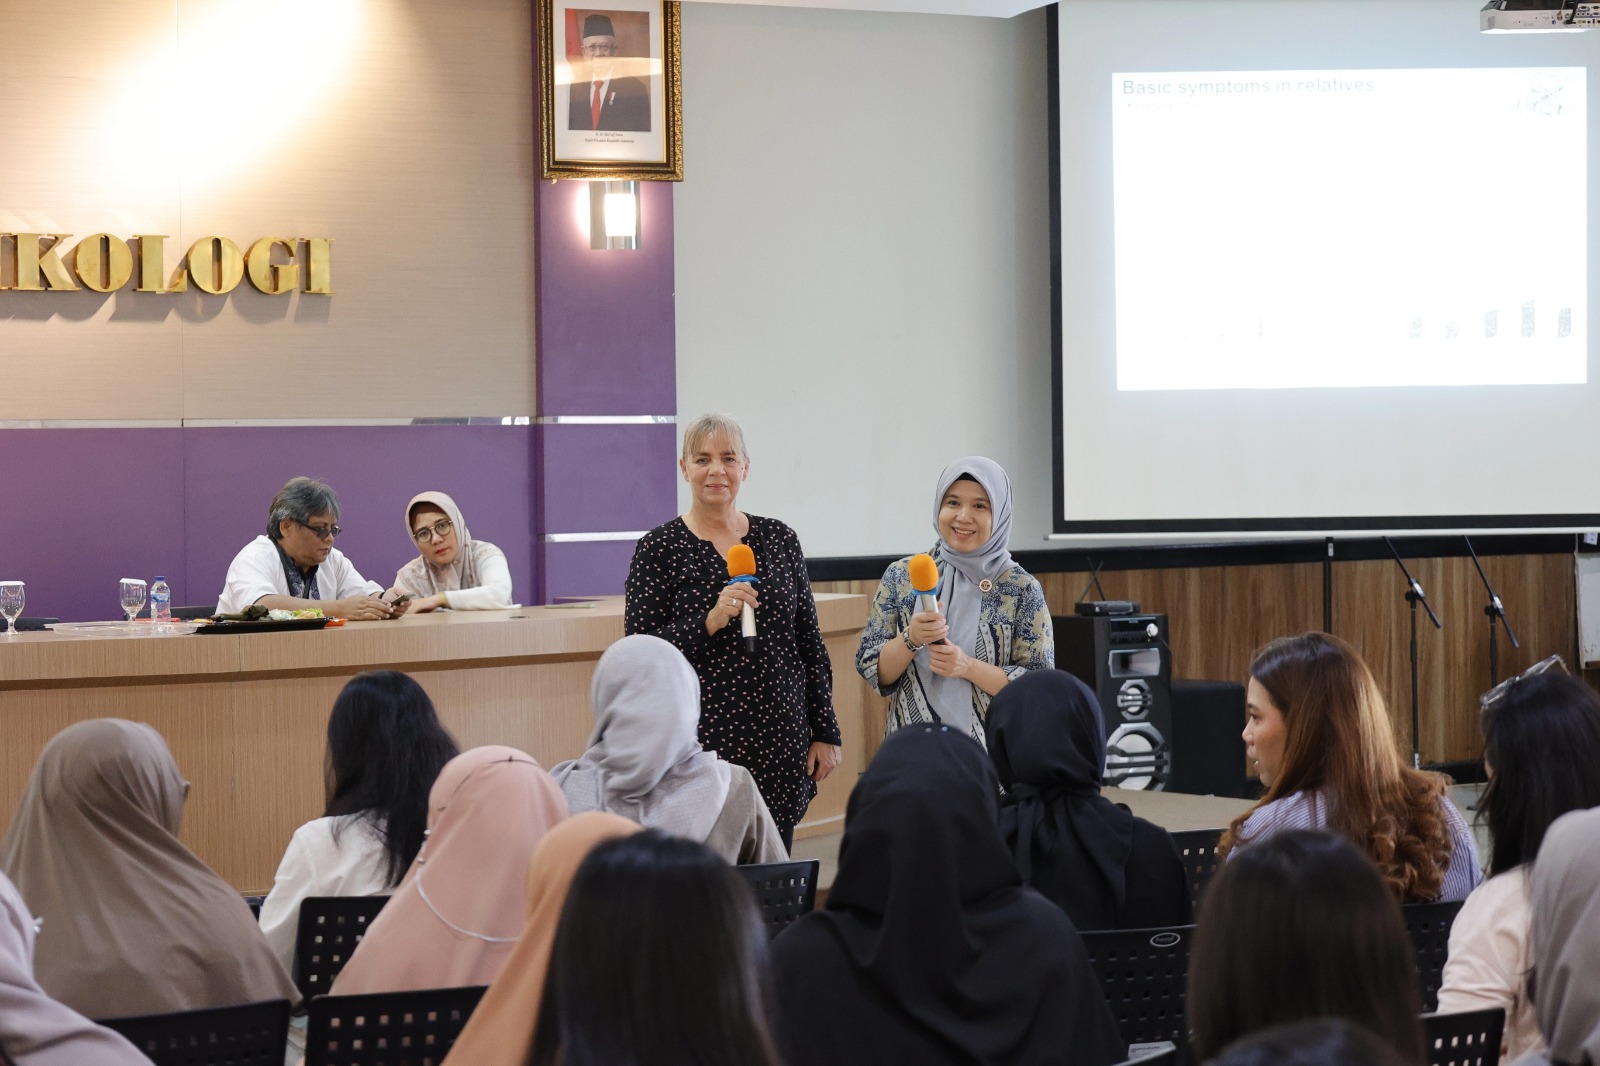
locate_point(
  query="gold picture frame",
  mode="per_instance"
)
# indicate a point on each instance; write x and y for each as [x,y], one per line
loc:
[627,124]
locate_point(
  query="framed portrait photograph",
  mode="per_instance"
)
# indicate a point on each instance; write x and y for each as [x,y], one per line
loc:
[611,101]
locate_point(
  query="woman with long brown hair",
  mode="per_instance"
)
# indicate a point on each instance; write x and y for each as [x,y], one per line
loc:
[1318,733]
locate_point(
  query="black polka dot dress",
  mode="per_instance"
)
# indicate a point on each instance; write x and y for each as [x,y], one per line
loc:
[761,710]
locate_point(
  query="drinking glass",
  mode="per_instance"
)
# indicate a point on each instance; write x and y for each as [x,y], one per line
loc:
[132,597]
[12,598]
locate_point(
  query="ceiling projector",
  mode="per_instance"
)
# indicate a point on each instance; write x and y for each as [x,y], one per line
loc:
[1538,16]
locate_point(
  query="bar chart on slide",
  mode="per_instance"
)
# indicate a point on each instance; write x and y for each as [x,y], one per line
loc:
[1350,228]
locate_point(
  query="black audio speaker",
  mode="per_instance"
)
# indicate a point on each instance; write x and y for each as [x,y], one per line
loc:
[1208,740]
[1125,659]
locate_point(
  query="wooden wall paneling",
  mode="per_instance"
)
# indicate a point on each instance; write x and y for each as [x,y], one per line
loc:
[194,719]
[1218,616]
[1369,611]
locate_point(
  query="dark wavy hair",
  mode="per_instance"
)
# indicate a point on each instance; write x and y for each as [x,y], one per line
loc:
[1300,926]
[1541,741]
[660,959]
[385,747]
[1339,743]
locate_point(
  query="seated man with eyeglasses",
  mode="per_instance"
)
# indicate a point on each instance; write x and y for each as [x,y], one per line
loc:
[295,565]
[451,570]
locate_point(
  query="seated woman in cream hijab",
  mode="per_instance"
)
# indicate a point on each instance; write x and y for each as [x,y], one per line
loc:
[644,762]
[132,921]
[453,570]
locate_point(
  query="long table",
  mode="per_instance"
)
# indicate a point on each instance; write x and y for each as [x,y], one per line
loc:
[246,714]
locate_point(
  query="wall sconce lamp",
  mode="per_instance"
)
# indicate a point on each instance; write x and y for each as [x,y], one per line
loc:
[613,215]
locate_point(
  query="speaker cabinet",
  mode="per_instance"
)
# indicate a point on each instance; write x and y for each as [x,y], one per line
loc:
[1125,659]
[1207,739]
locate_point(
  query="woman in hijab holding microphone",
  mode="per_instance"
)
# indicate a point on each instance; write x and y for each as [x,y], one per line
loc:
[992,625]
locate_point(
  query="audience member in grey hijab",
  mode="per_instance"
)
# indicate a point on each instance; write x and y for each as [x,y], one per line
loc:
[35,1030]
[992,625]
[1566,941]
[644,762]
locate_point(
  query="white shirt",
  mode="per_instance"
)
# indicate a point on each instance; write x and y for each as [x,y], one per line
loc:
[257,571]
[1491,954]
[314,865]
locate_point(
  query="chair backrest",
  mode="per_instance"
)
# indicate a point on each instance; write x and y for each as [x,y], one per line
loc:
[1429,926]
[1198,847]
[1471,1038]
[388,1028]
[1143,973]
[784,890]
[249,1034]
[254,903]
[1165,1056]
[326,935]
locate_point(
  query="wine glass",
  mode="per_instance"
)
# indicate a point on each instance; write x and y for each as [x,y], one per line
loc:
[132,597]
[12,598]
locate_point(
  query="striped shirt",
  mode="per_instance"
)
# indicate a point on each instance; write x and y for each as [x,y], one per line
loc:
[1302,810]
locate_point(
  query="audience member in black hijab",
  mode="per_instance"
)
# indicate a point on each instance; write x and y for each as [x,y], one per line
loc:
[930,949]
[1104,867]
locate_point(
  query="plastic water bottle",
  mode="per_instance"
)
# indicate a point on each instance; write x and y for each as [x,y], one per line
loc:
[161,602]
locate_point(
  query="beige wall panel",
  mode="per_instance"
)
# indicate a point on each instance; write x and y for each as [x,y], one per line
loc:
[198,731]
[403,131]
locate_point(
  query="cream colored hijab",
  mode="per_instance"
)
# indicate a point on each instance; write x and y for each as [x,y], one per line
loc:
[501,1030]
[35,1030]
[421,578]
[133,921]
[1565,895]
[457,914]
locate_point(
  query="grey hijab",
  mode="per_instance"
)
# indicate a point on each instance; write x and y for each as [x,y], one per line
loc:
[1566,939]
[643,761]
[960,596]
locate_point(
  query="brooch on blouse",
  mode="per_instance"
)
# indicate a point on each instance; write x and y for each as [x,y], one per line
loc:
[985,585]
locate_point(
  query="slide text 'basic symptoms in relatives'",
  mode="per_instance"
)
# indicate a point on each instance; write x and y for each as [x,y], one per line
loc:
[1131,87]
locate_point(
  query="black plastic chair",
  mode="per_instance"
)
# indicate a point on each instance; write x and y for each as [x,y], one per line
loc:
[1198,847]
[250,1034]
[1470,1038]
[784,890]
[254,903]
[1429,926]
[1167,1056]
[326,935]
[1143,974]
[388,1028]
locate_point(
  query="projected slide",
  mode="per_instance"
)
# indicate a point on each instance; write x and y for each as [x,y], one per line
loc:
[1286,229]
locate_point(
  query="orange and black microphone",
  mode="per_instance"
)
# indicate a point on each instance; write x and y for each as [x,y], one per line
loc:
[924,574]
[742,567]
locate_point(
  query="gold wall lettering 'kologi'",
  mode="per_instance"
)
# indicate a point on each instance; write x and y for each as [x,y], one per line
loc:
[102,262]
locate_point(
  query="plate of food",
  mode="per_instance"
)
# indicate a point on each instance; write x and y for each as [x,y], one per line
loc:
[257,619]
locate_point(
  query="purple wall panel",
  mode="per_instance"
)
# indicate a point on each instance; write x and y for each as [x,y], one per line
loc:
[607,332]
[607,478]
[85,507]
[232,474]
[586,568]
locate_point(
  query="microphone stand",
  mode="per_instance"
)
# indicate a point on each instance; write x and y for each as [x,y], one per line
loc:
[1495,610]
[1414,596]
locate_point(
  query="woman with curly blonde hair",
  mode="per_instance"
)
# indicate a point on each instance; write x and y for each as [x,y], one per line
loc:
[1318,733]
